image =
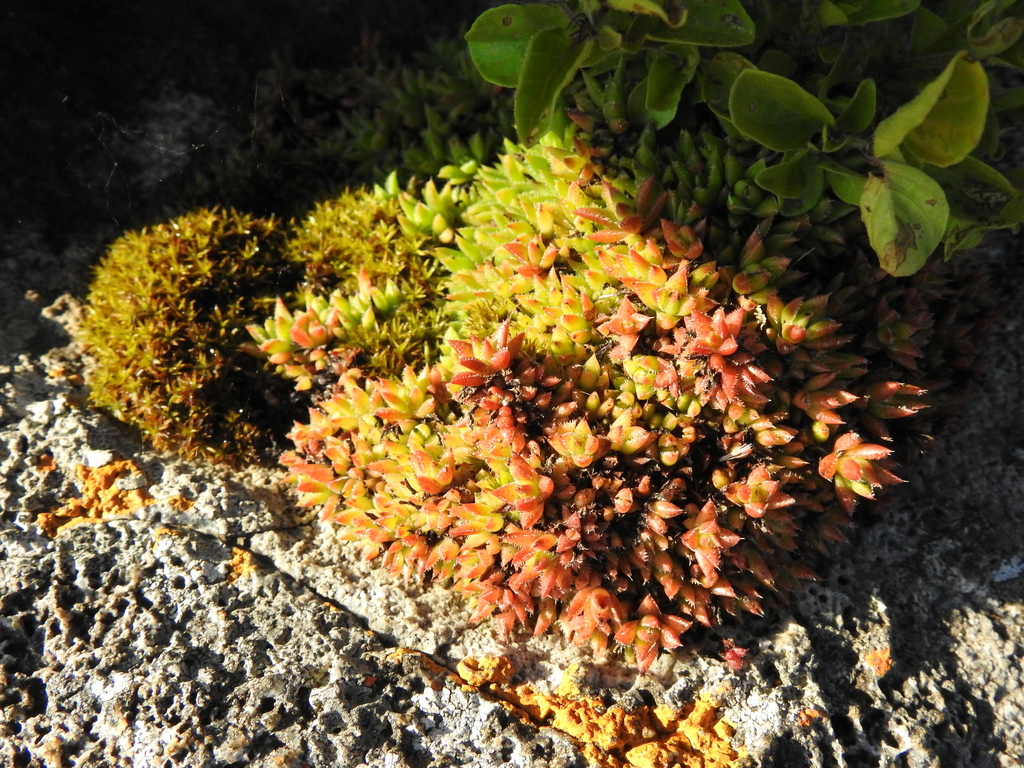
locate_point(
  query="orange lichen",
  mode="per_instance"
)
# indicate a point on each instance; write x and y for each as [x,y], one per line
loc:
[46,462]
[243,563]
[100,497]
[63,371]
[808,716]
[879,660]
[487,669]
[612,737]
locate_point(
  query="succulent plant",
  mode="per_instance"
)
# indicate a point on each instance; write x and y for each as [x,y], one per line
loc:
[316,132]
[658,399]
[165,325]
[174,301]
[384,313]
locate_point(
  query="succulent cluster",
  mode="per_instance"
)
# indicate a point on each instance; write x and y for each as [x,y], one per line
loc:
[382,313]
[316,131]
[659,395]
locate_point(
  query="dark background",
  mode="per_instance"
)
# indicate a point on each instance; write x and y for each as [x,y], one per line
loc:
[75,78]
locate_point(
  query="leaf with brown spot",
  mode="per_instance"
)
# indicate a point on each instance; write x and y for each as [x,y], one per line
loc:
[905,213]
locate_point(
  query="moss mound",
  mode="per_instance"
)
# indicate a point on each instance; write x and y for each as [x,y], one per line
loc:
[165,325]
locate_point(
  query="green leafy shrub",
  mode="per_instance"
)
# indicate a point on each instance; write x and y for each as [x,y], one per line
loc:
[165,326]
[886,102]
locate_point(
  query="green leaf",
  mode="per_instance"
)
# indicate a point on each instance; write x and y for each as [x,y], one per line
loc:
[717,77]
[929,29]
[831,15]
[775,111]
[672,12]
[551,61]
[778,63]
[667,76]
[858,114]
[961,236]
[797,182]
[905,212]
[722,23]
[832,141]
[877,10]
[811,193]
[785,179]
[847,187]
[846,184]
[848,60]
[608,38]
[980,194]
[1010,102]
[945,121]
[499,37]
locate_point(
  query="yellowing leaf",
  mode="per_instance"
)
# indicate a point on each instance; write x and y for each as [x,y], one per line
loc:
[945,121]
[905,213]
[721,23]
[672,12]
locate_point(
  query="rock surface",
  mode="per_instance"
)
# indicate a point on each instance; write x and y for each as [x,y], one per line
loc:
[197,618]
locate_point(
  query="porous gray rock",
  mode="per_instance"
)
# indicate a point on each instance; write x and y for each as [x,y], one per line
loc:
[135,643]
[235,630]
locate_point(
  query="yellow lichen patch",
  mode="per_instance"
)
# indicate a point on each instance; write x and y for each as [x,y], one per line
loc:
[612,737]
[101,498]
[487,669]
[243,563]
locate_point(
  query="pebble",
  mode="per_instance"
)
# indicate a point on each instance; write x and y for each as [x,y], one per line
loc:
[95,459]
[131,483]
[39,411]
